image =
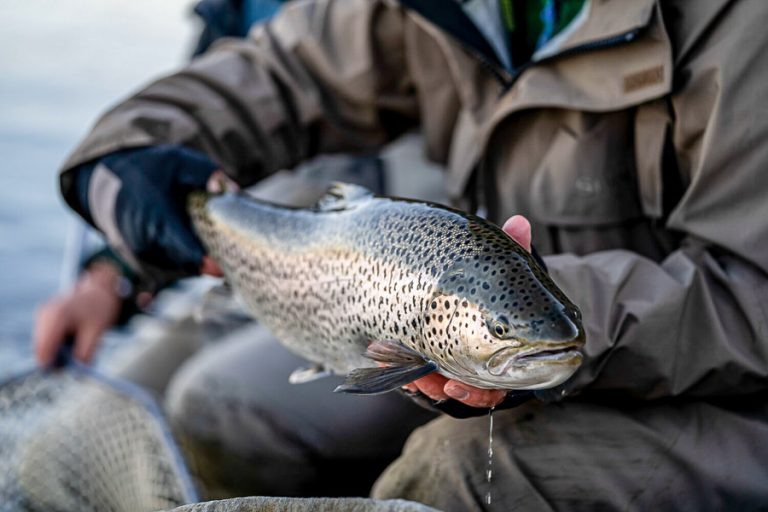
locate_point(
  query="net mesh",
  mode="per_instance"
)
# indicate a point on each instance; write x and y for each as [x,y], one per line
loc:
[269,504]
[73,440]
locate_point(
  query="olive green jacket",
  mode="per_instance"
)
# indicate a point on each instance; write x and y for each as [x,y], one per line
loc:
[635,142]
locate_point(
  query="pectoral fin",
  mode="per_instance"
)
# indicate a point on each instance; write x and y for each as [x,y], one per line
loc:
[373,381]
[392,352]
[403,365]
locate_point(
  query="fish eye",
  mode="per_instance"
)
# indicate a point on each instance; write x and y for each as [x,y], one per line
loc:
[500,326]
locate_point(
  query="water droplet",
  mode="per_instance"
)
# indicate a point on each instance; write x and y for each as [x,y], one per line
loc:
[489,472]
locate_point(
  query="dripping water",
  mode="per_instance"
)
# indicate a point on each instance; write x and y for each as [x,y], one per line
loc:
[489,471]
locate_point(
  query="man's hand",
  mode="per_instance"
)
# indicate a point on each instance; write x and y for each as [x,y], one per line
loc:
[437,387]
[88,310]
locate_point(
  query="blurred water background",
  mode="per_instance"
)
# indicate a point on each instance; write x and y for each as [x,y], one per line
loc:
[62,62]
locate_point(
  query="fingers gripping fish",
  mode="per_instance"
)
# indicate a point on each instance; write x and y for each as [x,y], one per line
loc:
[415,287]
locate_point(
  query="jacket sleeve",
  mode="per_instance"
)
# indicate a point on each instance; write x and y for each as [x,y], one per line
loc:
[322,76]
[695,324]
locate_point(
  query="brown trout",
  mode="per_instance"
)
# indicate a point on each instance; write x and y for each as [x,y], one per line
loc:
[414,286]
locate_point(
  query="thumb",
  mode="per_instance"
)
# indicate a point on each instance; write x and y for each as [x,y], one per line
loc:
[519,229]
[210,267]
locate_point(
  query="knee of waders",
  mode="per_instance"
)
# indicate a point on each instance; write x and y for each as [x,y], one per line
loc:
[440,466]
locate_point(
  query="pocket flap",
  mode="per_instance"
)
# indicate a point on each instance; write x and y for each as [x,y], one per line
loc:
[588,178]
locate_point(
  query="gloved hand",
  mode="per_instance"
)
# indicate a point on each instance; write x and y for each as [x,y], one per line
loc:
[137,198]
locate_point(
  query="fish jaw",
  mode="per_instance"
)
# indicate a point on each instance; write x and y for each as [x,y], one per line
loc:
[540,366]
[458,338]
[532,363]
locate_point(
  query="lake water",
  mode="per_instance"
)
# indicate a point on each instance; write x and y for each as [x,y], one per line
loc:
[61,63]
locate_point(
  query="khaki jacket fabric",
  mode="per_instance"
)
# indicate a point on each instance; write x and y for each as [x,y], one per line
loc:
[635,143]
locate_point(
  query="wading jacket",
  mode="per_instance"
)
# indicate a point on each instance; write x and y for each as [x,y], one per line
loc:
[636,142]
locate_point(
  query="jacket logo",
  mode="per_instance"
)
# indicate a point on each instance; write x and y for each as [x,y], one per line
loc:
[645,78]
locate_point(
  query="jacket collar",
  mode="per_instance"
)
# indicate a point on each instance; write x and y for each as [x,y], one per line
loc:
[450,16]
[599,23]
[622,75]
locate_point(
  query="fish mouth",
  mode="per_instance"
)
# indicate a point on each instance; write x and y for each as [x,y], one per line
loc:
[502,360]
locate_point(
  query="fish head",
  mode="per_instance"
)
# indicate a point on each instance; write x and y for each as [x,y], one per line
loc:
[504,324]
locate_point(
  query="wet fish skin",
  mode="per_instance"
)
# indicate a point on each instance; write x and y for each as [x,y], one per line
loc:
[358,268]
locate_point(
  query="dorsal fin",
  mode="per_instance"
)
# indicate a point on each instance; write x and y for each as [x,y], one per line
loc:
[341,196]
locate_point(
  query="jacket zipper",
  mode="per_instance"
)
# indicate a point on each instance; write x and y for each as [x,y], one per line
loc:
[617,40]
[502,75]
[507,79]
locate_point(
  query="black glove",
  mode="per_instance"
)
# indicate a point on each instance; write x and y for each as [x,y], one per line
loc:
[137,198]
[457,409]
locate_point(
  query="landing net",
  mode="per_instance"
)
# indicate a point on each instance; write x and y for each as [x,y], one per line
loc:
[75,440]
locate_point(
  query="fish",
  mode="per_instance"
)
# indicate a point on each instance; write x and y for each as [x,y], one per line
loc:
[387,290]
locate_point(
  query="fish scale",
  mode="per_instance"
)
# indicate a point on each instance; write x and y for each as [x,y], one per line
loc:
[357,269]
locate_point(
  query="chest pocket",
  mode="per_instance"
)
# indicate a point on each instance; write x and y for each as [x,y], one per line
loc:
[587,178]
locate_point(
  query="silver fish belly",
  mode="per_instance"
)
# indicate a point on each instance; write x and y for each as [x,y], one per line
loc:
[446,287]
